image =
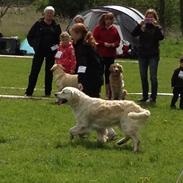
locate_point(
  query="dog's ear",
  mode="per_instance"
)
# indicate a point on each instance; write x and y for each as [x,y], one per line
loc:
[54,67]
[120,68]
[111,67]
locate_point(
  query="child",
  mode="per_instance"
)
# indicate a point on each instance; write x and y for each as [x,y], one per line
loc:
[78,19]
[177,84]
[65,54]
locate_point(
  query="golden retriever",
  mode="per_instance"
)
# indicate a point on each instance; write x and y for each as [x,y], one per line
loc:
[99,114]
[116,82]
[63,79]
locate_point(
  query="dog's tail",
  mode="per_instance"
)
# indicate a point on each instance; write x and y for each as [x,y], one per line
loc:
[139,115]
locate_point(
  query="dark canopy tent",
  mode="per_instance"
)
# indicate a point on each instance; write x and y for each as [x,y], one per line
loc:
[125,20]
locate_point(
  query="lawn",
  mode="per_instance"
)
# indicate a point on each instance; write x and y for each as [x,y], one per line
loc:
[35,145]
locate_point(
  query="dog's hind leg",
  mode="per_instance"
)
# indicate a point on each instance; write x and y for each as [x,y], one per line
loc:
[136,142]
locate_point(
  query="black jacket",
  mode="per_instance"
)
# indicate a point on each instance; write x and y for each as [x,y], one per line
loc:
[176,81]
[148,40]
[88,67]
[43,36]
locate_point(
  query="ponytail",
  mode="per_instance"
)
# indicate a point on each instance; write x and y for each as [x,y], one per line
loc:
[86,35]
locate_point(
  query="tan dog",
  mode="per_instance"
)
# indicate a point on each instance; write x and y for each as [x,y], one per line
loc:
[63,79]
[98,114]
[116,82]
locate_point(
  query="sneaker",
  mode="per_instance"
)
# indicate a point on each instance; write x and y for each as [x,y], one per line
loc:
[151,100]
[27,95]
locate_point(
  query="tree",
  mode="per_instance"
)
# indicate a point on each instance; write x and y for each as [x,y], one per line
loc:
[69,8]
[4,6]
[181,15]
[162,12]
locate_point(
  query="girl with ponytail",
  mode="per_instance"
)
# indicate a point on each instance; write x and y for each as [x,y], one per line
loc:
[88,66]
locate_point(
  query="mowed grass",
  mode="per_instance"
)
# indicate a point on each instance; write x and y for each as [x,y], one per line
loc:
[35,145]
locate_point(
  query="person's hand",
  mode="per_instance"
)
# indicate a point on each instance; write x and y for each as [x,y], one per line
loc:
[72,71]
[107,45]
[142,23]
[155,23]
[80,86]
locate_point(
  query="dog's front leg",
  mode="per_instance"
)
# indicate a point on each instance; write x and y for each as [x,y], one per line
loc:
[74,131]
[111,134]
[102,135]
[78,130]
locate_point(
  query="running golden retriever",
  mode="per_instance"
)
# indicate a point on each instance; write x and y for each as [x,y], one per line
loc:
[63,79]
[98,114]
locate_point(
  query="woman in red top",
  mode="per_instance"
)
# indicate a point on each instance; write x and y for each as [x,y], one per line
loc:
[108,39]
[65,54]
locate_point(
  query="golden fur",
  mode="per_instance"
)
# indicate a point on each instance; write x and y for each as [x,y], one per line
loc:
[117,82]
[98,114]
[63,79]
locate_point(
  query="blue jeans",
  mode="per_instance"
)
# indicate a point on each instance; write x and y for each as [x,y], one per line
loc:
[152,63]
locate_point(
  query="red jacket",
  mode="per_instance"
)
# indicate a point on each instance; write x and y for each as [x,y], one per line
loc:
[66,57]
[103,35]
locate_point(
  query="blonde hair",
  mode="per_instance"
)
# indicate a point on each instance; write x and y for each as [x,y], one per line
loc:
[65,36]
[80,18]
[86,35]
[154,12]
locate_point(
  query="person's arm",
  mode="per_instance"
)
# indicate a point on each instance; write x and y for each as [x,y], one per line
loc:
[173,80]
[117,39]
[159,33]
[72,59]
[32,35]
[137,31]
[58,32]
[82,65]
[96,35]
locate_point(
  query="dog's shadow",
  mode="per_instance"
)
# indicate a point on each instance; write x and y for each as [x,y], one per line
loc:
[94,146]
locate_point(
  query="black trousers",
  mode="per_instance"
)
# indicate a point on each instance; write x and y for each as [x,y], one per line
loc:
[37,62]
[92,91]
[106,62]
[177,91]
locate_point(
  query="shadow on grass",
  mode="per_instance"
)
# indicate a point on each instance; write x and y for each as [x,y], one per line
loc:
[6,140]
[95,146]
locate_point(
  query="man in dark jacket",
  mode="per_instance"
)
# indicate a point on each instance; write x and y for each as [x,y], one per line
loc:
[150,33]
[44,38]
[177,85]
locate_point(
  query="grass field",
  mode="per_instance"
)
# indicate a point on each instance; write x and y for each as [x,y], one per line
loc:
[35,145]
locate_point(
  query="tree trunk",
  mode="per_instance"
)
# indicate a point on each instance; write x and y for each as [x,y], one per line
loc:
[181,16]
[162,12]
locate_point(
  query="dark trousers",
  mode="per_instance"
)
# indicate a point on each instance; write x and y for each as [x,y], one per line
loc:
[106,62]
[92,91]
[177,91]
[36,67]
[152,64]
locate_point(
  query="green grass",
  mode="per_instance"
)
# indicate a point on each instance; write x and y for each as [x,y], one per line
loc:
[35,145]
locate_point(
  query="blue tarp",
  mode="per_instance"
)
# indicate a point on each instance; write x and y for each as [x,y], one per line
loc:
[26,47]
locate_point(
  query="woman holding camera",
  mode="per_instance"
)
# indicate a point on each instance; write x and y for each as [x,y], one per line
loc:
[150,33]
